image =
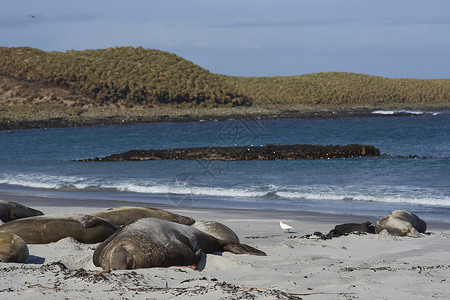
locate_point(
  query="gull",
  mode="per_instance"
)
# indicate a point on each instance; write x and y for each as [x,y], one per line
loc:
[285,227]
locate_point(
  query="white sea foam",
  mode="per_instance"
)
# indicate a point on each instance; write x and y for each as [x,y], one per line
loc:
[182,190]
[393,112]
[386,194]
[44,181]
[407,112]
[398,195]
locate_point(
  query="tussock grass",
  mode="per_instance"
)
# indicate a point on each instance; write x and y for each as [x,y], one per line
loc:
[142,85]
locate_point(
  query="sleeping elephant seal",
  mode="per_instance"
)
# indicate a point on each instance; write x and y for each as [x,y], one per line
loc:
[11,211]
[124,215]
[12,248]
[51,228]
[217,230]
[347,228]
[401,223]
[152,242]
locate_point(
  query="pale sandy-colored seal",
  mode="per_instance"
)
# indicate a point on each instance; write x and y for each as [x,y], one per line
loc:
[11,211]
[12,248]
[217,230]
[51,228]
[129,214]
[401,223]
[152,242]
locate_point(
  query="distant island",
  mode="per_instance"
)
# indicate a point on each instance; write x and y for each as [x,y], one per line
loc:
[127,85]
[242,153]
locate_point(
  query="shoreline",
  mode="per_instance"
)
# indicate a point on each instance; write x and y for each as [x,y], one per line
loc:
[63,117]
[92,204]
[363,209]
[348,267]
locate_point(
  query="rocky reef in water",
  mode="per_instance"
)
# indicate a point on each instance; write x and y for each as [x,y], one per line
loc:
[241,153]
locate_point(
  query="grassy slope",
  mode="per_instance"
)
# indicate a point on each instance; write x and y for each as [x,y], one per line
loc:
[125,75]
[346,89]
[85,86]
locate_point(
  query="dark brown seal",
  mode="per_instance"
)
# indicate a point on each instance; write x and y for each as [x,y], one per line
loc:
[152,242]
[12,211]
[401,223]
[347,228]
[51,228]
[128,214]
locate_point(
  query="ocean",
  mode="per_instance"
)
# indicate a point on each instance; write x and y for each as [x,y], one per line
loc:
[42,162]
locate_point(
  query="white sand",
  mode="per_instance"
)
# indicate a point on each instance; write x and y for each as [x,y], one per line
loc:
[350,267]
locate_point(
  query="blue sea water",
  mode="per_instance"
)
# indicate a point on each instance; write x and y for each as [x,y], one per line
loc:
[41,162]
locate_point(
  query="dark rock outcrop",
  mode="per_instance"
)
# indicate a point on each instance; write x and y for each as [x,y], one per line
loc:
[238,153]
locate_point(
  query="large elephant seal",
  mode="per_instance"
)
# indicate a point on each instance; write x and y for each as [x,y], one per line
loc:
[401,223]
[11,211]
[127,214]
[152,242]
[12,248]
[51,228]
[217,230]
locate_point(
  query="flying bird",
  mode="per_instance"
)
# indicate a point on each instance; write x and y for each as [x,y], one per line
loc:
[34,17]
[285,227]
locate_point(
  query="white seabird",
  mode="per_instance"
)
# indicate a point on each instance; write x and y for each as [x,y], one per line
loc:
[285,227]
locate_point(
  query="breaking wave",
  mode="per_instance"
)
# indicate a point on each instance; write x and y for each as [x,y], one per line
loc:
[406,112]
[271,193]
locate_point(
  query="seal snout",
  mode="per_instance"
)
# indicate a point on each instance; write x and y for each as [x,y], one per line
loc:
[121,259]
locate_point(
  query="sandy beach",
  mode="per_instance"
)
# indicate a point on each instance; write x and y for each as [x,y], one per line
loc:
[349,267]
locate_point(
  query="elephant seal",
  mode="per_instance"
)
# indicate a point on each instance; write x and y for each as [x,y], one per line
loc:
[355,227]
[12,248]
[11,211]
[152,242]
[217,230]
[345,229]
[401,223]
[51,228]
[128,214]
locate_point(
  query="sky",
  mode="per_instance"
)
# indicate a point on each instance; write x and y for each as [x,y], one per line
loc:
[389,38]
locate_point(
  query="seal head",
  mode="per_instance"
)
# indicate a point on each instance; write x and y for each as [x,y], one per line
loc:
[12,211]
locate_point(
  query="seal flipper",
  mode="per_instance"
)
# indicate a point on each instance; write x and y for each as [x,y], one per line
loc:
[238,248]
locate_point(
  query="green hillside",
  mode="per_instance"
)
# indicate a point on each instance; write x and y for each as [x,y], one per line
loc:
[342,89]
[133,76]
[128,77]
